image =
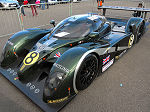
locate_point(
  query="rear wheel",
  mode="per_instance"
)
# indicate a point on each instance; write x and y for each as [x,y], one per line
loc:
[139,32]
[87,72]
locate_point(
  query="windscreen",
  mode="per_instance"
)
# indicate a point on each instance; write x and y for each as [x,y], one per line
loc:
[74,29]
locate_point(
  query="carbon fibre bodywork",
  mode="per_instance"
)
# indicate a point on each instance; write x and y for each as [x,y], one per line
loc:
[50,59]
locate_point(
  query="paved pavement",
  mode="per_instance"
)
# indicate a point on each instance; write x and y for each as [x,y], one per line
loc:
[105,94]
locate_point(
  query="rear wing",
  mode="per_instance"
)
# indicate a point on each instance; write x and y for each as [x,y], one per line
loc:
[143,10]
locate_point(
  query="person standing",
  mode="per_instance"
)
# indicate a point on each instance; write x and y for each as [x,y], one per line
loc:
[33,7]
[43,4]
[100,0]
[47,4]
[21,2]
[138,13]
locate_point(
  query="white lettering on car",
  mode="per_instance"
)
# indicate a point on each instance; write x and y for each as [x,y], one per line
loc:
[10,43]
[61,67]
[32,87]
[105,67]
[28,85]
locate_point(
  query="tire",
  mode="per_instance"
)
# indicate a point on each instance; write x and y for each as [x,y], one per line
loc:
[139,32]
[87,72]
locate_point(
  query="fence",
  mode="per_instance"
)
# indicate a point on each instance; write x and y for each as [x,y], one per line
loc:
[125,3]
[53,12]
[13,21]
[91,6]
[9,21]
[56,12]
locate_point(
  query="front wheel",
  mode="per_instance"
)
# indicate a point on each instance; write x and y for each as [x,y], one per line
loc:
[87,72]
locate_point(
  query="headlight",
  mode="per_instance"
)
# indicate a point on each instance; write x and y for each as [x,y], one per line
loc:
[56,79]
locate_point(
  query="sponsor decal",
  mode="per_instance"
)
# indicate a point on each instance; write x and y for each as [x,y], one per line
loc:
[119,28]
[32,88]
[41,47]
[61,67]
[61,34]
[10,43]
[105,67]
[131,40]
[45,45]
[50,41]
[93,17]
[12,72]
[16,78]
[57,55]
[106,60]
[28,85]
[31,58]
[58,100]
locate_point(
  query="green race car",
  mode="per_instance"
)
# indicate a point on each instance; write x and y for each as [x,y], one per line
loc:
[58,63]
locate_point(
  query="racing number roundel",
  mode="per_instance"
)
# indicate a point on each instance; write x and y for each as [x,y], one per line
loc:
[131,40]
[31,58]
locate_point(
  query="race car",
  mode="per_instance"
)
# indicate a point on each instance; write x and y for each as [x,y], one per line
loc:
[68,57]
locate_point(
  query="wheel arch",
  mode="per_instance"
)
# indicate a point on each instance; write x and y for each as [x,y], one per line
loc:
[134,26]
[20,43]
[133,21]
[79,64]
[67,64]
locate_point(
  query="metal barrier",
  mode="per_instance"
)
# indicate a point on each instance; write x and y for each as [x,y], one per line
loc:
[9,21]
[87,6]
[13,20]
[125,3]
[55,12]
[84,6]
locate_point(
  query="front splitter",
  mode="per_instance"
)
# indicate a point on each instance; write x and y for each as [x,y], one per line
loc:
[33,90]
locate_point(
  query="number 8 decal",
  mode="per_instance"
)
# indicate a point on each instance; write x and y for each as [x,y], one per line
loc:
[31,58]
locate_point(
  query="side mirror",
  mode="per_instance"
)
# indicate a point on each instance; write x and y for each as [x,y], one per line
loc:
[52,22]
[132,28]
[93,35]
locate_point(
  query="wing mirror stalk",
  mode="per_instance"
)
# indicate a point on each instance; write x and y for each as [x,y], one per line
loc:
[52,22]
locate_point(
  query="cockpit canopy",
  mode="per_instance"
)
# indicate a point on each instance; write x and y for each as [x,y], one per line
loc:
[78,26]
